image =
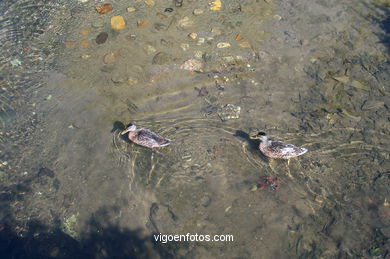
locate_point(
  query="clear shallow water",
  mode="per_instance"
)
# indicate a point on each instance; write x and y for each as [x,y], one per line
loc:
[315,75]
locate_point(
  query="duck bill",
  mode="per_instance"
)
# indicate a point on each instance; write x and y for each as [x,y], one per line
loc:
[125,131]
[253,136]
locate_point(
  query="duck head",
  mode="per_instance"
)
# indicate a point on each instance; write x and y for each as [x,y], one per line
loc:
[260,135]
[129,128]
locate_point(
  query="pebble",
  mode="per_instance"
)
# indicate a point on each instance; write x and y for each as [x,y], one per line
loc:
[102,38]
[229,112]
[160,26]
[149,49]
[104,8]
[198,54]
[85,56]
[184,46]
[109,58]
[85,44]
[118,23]
[197,12]
[131,9]
[161,58]
[216,5]
[184,22]
[245,45]
[84,32]
[117,78]
[192,65]
[193,35]
[132,81]
[216,31]
[200,41]
[142,23]
[150,3]
[221,45]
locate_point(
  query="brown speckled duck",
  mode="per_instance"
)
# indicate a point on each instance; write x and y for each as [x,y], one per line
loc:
[273,148]
[145,137]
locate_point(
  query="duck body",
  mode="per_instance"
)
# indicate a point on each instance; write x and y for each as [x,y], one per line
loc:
[273,148]
[145,137]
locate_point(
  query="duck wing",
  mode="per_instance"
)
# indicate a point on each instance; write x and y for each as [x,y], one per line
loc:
[291,150]
[286,150]
[148,136]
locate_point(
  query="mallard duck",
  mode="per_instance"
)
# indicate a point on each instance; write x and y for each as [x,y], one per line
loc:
[275,149]
[145,137]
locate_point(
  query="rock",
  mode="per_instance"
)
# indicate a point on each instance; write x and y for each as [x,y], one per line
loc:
[203,91]
[192,65]
[109,58]
[200,41]
[197,12]
[149,49]
[198,54]
[216,5]
[142,23]
[184,22]
[131,9]
[150,3]
[192,35]
[160,26]
[102,38]
[161,58]
[216,31]
[117,78]
[221,45]
[229,112]
[205,201]
[84,32]
[245,45]
[118,23]
[184,46]
[85,44]
[132,81]
[104,8]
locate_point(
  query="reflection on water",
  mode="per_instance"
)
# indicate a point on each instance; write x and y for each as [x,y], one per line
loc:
[309,73]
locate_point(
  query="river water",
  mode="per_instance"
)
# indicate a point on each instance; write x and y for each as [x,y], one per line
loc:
[205,74]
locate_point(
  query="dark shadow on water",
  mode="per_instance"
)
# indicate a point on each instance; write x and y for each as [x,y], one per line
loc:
[102,241]
[381,17]
[253,143]
[21,237]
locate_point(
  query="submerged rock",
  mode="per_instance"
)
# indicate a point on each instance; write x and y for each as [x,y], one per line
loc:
[102,38]
[229,112]
[192,65]
[161,58]
[118,22]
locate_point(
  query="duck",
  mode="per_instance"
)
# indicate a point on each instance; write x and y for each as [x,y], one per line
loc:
[145,137]
[276,149]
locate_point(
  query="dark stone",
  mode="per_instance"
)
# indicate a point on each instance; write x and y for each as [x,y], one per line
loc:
[102,38]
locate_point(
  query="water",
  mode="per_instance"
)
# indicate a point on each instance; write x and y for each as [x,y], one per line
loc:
[309,73]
